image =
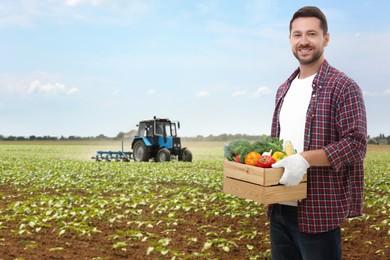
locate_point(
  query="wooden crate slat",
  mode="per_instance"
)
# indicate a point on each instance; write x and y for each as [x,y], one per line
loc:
[264,194]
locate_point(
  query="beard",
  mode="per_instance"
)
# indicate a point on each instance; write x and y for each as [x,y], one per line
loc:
[307,60]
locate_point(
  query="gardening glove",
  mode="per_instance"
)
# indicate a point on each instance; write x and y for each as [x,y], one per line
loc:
[295,167]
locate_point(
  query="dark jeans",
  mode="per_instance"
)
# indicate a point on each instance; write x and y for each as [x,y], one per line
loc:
[288,243]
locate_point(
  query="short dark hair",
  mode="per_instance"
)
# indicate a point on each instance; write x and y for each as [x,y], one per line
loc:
[311,11]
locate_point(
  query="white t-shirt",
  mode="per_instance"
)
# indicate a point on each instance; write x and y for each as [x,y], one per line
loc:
[292,116]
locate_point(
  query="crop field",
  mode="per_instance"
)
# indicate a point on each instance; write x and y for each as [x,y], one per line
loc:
[57,203]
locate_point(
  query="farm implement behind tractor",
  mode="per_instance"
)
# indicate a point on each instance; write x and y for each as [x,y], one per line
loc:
[156,140]
[113,156]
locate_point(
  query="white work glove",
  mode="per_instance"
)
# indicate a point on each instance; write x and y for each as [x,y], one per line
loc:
[295,167]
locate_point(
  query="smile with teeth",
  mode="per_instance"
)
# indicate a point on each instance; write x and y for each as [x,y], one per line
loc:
[305,50]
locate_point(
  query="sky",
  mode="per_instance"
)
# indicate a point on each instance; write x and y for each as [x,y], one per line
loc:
[91,67]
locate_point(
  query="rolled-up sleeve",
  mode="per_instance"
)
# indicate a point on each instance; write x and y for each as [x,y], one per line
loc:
[352,129]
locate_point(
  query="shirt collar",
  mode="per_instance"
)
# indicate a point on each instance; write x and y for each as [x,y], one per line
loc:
[321,74]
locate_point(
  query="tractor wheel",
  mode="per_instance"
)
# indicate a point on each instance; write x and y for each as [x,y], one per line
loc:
[186,155]
[163,155]
[140,152]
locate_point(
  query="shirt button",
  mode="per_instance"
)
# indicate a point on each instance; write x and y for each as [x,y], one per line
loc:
[314,95]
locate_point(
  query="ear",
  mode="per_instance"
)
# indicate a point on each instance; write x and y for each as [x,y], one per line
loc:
[326,39]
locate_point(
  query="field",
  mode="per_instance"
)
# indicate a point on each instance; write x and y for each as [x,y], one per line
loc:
[57,203]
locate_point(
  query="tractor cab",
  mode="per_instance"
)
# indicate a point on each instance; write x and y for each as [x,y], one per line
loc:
[156,127]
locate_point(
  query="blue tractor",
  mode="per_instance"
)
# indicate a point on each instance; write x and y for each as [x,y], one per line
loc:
[156,139]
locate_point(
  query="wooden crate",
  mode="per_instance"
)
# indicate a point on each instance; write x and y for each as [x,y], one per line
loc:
[259,184]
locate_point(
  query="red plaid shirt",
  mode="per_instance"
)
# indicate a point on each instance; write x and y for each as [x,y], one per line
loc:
[336,123]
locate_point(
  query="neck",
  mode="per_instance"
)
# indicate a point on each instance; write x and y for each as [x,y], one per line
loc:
[306,70]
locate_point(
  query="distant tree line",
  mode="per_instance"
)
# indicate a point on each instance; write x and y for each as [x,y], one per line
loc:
[100,137]
[223,137]
[130,135]
[381,139]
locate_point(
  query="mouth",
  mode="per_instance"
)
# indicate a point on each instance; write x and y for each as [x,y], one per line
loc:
[304,51]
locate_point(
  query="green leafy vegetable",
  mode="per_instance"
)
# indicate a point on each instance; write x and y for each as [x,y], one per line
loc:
[243,147]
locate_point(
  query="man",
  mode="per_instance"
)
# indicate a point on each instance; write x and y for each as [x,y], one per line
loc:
[321,111]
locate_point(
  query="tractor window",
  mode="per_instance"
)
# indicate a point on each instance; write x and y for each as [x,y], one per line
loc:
[168,128]
[141,129]
[173,127]
[160,128]
[163,128]
[145,129]
[149,129]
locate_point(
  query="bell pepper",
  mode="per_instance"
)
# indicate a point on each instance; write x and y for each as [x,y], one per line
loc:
[278,156]
[251,158]
[265,161]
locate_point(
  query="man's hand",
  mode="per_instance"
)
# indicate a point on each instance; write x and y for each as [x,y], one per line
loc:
[295,167]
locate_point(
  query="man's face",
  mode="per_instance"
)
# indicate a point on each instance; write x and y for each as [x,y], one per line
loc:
[307,40]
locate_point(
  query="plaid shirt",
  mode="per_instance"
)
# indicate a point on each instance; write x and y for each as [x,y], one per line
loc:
[336,123]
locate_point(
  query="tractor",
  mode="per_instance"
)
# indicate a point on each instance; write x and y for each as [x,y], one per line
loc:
[156,139]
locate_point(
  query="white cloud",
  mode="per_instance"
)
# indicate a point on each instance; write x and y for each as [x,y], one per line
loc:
[262,91]
[51,89]
[80,2]
[73,2]
[150,92]
[238,93]
[33,83]
[369,93]
[72,91]
[376,94]
[202,94]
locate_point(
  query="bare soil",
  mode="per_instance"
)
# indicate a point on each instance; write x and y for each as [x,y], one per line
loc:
[360,240]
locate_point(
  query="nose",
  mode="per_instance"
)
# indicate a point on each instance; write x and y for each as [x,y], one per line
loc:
[304,40]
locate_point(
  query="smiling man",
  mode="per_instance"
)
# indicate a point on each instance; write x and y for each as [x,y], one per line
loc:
[321,111]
